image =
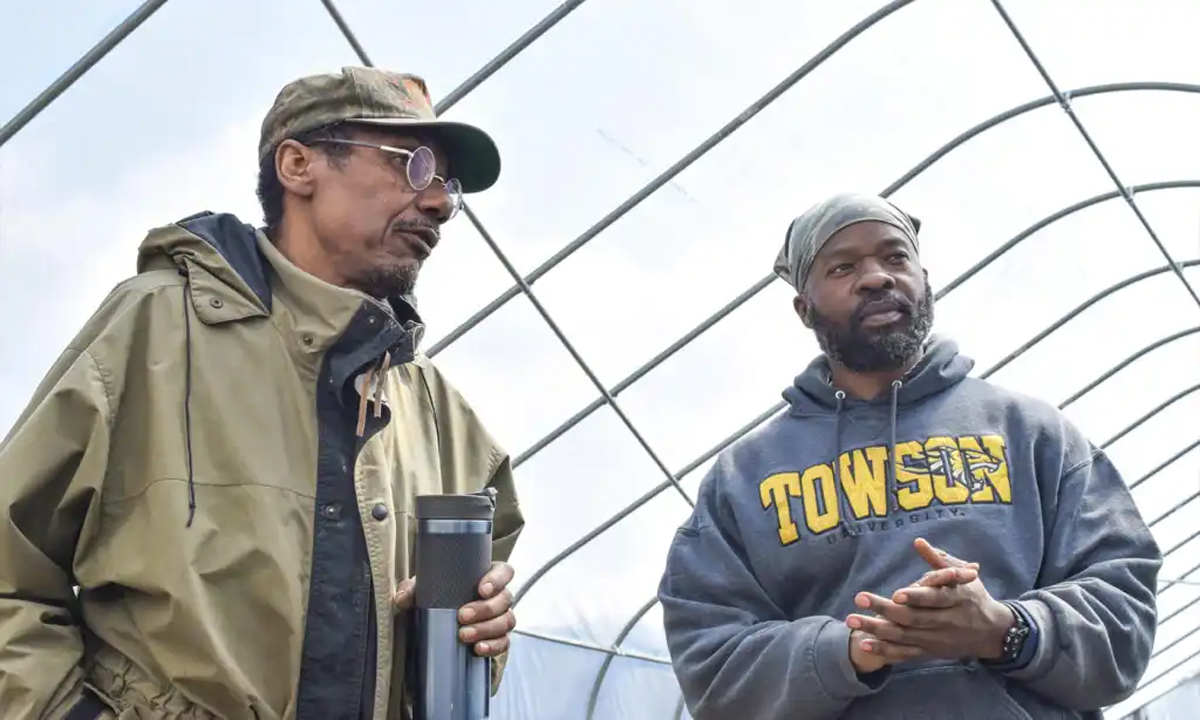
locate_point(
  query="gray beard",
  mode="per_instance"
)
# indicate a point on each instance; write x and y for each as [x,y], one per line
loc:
[383,284]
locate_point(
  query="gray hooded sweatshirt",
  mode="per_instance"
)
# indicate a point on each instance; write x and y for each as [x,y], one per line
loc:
[761,577]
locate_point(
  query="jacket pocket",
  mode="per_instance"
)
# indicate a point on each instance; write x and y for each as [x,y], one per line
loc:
[939,691]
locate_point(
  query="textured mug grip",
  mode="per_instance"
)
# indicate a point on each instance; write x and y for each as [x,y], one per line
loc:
[449,568]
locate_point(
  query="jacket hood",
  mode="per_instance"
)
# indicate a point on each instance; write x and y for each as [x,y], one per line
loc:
[221,245]
[940,368]
[224,257]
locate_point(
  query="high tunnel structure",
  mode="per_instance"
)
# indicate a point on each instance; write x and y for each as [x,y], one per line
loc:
[608,307]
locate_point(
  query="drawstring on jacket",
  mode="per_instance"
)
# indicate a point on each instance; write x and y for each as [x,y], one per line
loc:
[372,374]
[187,395]
[845,511]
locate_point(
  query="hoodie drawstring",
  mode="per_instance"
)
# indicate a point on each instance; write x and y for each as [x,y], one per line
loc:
[844,509]
[892,500]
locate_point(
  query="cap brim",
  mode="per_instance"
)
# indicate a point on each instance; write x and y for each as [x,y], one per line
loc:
[473,156]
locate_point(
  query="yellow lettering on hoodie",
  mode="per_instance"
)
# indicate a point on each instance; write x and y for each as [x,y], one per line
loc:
[953,471]
[820,496]
[864,481]
[776,492]
[914,485]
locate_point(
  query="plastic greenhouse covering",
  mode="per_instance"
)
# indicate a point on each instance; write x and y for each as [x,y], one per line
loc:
[608,306]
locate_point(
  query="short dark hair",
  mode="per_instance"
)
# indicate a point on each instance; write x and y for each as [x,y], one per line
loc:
[270,190]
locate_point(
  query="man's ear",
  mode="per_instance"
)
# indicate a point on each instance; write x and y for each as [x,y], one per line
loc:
[800,304]
[293,165]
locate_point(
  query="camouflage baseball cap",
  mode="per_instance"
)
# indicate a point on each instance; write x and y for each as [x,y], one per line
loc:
[367,96]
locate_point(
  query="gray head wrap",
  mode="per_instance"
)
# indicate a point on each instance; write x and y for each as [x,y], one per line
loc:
[808,233]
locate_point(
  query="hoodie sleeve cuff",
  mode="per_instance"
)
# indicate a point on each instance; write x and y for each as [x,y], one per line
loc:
[1041,619]
[837,676]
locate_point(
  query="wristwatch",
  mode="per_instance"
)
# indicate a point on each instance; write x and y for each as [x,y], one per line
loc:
[1014,639]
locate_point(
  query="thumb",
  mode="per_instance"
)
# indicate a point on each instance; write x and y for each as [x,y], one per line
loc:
[405,595]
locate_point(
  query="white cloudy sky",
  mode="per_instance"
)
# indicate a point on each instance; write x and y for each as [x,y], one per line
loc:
[167,124]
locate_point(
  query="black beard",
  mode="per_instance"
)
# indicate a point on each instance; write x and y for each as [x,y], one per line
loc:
[869,350]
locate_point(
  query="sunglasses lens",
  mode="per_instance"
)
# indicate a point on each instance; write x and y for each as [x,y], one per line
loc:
[421,168]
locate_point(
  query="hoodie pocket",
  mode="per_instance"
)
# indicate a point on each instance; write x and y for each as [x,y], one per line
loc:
[951,691]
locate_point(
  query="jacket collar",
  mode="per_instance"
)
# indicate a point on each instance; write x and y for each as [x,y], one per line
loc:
[320,312]
[235,273]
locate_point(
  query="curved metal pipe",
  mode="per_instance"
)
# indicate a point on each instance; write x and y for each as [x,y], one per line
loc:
[1064,102]
[1129,361]
[1165,464]
[1158,676]
[336,16]
[583,365]
[1079,309]
[490,68]
[594,696]
[1179,610]
[666,176]
[1157,409]
[1017,111]
[763,283]
[624,512]
[522,285]
[587,645]
[79,69]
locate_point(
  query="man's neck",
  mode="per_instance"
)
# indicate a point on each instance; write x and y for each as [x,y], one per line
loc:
[866,385]
[302,249]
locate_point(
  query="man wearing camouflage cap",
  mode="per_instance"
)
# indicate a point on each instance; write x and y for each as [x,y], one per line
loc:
[224,460]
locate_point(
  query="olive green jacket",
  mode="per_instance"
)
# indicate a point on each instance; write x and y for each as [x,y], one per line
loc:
[193,464]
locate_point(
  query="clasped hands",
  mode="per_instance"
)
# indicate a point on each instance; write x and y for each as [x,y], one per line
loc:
[485,623]
[947,613]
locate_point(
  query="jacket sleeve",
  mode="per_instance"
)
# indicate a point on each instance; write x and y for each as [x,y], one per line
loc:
[52,466]
[1094,607]
[506,528]
[734,651]
[508,521]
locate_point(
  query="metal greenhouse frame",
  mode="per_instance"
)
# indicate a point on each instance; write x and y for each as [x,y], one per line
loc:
[608,395]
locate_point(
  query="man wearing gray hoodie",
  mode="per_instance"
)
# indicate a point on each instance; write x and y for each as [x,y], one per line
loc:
[819,575]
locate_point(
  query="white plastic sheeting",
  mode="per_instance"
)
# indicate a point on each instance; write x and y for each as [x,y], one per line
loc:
[589,119]
[1181,703]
